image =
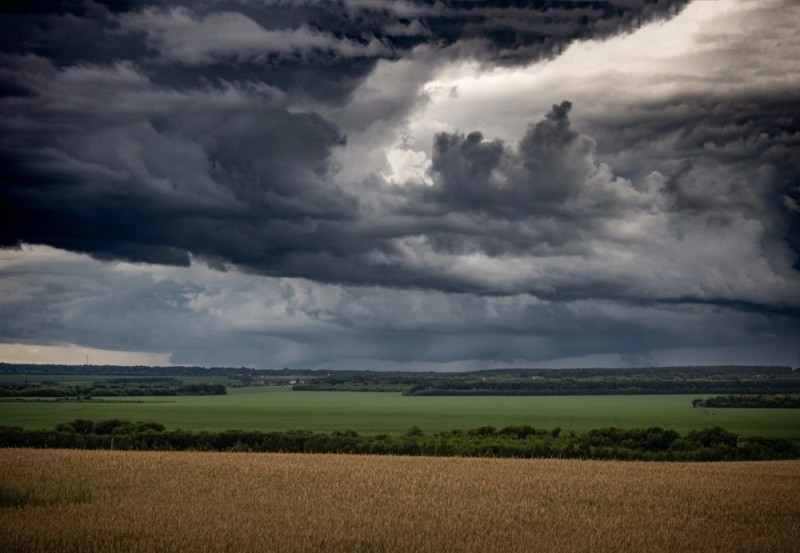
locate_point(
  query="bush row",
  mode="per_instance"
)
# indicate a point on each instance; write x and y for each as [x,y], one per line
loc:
[657,444]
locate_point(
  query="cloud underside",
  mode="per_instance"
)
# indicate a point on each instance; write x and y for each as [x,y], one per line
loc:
[243,137]
[200,315]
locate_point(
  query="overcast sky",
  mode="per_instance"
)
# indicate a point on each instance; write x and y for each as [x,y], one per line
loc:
[400,185]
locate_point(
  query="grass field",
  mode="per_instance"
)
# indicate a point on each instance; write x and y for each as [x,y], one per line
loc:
[275,408]
[70,501]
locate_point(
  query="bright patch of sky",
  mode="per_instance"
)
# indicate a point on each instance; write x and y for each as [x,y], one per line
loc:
[684,54]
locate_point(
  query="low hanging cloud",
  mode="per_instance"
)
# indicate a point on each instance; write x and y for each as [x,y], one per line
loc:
[52,297]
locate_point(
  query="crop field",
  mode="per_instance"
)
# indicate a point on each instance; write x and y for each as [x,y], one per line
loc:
[276,408]
[58,500]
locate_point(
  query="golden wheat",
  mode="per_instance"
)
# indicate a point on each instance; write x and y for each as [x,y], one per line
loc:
[87,501]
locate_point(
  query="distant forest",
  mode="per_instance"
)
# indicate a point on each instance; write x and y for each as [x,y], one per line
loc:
[661,380]
[234,373]
[57,390]
[751,380]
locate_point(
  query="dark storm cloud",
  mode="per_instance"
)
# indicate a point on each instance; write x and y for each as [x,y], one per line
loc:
[101,161]
[550,170]
[546,196]
[189,145]
[156,132]
[740,154]
[321,50]
[725,127]
[229,175]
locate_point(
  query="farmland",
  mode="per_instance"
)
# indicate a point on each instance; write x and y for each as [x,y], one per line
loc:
[278,408]
[57,500]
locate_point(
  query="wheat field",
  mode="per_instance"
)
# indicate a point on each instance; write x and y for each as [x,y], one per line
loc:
[70,501]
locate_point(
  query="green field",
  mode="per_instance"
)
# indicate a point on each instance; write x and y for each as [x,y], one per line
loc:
[276,408]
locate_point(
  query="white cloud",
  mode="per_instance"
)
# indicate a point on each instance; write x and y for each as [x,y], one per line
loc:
[719,46]
[179,35]
[408,165]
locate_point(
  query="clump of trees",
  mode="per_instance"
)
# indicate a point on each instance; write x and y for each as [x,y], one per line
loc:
[655,444]
[761,401]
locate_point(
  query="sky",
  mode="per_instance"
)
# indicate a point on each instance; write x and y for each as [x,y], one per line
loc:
[400,184]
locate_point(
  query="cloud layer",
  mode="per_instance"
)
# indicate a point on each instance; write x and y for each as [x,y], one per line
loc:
[274,143]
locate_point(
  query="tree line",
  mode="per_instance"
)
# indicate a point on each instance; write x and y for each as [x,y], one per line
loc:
[652,444]
[243,375]
[102,389]
[658,380]
[761,401]
[604,386]
[588,381]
